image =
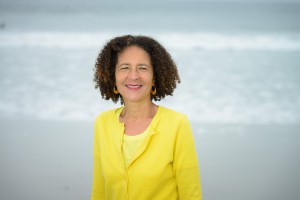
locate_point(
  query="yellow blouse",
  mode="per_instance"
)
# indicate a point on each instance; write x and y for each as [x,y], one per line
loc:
[165,165]
[131,144]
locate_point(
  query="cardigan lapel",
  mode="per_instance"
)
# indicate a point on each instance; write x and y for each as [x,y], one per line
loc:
[152,131]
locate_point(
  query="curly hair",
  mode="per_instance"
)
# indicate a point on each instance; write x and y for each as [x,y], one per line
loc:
[165,75]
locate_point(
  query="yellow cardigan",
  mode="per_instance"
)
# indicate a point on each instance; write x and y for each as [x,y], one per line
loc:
[165,166]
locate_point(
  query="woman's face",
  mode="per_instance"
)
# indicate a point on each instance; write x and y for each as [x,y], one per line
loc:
[134,75]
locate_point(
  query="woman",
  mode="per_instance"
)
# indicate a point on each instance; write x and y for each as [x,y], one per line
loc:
[141,151]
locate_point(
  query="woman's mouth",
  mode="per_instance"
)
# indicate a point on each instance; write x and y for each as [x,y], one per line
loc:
[133,86]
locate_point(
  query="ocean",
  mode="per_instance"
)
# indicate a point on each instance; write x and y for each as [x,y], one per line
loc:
[239,62]
[239,67]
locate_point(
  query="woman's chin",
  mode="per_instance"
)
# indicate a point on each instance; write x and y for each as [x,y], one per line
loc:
[136,99]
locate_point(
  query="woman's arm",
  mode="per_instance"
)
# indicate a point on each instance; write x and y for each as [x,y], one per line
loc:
[98,181]
[186,166]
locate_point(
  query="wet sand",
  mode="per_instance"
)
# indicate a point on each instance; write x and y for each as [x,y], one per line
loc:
[53,160]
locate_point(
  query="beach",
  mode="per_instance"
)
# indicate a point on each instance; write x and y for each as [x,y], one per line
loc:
[53,160]
[45,160]
[250,162]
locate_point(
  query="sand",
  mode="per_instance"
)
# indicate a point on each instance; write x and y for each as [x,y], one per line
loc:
[53,160]
[45,160]
[250,162]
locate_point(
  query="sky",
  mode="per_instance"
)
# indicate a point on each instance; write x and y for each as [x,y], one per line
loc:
[86,1]
[44,4]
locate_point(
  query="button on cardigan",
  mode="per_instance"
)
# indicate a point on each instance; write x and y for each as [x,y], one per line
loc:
[164,167]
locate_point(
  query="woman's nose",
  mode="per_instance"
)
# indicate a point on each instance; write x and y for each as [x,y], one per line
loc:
[133,74]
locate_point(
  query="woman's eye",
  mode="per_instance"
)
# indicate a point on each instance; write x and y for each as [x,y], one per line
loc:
[143,68]
[124,68]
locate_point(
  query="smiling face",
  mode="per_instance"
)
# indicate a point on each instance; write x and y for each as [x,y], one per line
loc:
[134,75]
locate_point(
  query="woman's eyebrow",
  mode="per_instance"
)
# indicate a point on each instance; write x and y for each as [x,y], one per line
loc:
[127,64]
[122,64]
[143,64]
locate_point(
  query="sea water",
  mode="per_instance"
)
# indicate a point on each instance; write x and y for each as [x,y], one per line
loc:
[239,62]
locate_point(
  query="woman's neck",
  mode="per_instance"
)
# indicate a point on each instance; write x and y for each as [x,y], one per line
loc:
[139,111]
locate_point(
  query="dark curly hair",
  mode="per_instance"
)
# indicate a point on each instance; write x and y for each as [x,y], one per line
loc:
[165,71]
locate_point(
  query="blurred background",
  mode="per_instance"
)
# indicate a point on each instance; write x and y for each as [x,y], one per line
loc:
[239,66]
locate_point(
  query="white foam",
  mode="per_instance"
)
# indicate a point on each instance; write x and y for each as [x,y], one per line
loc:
[180,41]
[215,41]
[51,39]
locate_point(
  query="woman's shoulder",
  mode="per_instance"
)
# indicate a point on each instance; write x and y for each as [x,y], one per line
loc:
[171,113]
[173,120]
[104,115]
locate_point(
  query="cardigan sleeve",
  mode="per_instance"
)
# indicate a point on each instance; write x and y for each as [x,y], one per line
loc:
[98,180]
[185,163]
